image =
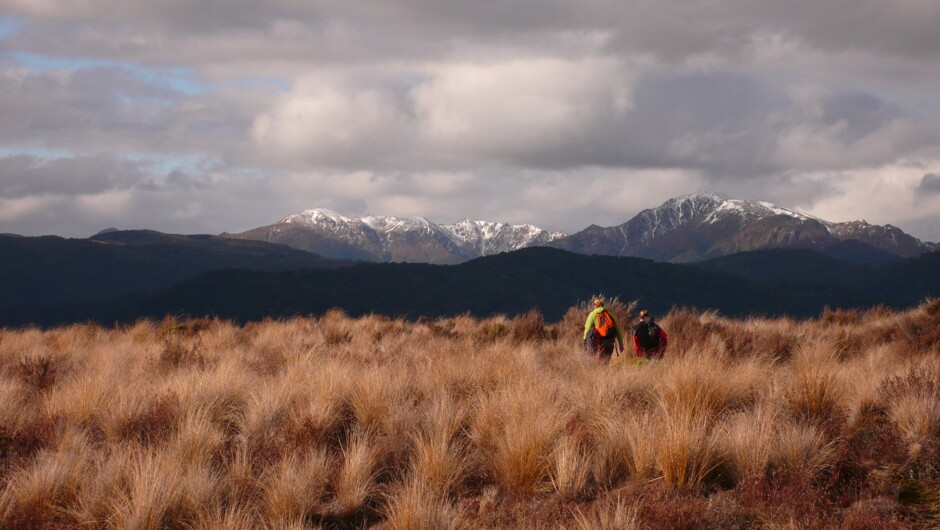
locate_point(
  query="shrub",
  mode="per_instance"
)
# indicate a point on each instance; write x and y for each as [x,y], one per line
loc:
[528,327]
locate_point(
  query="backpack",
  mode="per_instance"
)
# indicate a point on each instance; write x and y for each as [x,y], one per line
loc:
[604,324]
[648,335]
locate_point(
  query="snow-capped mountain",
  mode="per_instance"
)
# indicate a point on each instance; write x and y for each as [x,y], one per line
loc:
[406,239]
[689,228]
[483,238]
[703,226]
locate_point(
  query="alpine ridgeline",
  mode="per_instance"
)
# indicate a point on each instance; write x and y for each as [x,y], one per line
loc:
[709,225]
[403,239]
[684,229]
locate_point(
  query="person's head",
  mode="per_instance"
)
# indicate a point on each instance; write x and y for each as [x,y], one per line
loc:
[644,315]
[598,302]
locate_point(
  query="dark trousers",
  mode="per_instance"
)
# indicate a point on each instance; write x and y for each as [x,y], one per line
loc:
[597,346]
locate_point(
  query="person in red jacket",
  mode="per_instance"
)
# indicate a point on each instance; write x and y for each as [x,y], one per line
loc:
[649,340]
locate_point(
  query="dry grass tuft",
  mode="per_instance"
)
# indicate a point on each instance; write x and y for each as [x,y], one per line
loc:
[296,488]
[618,516]
[342,422]
[412,506]
[747,440]
[355,483]
[572,469]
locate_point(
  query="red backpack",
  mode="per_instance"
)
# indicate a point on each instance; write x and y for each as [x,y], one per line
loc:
[604,324]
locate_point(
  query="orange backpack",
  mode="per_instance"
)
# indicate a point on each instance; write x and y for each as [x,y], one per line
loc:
[604,324]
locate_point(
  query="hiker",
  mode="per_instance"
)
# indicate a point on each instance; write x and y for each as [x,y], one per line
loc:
[649,340]
[601,331]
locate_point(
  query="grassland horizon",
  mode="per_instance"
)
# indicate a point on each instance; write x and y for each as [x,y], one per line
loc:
[463,422]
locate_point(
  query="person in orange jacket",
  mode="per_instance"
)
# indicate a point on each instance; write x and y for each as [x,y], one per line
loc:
[649,340]
[601,332]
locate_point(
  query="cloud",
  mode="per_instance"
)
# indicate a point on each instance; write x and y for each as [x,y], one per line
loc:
[322,126]
[543,111]
[321,31]
[113,109]
[929,184]
[532,111]
[22,176]
[881,195]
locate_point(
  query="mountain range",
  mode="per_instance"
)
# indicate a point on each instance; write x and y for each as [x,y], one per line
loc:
[740,257]
[705,226]
[400,239]
[684,229]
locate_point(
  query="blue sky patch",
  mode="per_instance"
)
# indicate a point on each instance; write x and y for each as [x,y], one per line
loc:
[182,80]
[9,26]
[43,153]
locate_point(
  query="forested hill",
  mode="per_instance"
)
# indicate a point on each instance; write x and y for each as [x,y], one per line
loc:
[549,280]
[55,270]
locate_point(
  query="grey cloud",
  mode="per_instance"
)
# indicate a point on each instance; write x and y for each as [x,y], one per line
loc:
[732,94]
[561,114]
[347,206]
[25,175]
[110,109]
[930,183]
[863,113]
[720,122]
[906,29]
[717,122]
[925,227]
[236,201]
[672,30]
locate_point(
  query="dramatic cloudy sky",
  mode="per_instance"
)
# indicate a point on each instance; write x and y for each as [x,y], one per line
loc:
[222,115]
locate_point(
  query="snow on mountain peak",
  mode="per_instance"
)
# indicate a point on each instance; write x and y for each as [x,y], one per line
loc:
[488,237]
[316,216]
[392,224]
[712,207]
[473,237]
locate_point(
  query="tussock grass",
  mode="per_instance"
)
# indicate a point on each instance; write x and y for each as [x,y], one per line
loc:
[356,479]
[411,506]
[502,422]
[617,515]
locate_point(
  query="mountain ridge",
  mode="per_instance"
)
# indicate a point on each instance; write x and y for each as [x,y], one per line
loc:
[52,269]
[550,280]
[396,239]
[688,228]
[702,226]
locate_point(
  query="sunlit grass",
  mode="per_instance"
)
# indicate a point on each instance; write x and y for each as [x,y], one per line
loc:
[466,423]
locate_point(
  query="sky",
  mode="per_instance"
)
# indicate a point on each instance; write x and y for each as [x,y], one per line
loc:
[215,116]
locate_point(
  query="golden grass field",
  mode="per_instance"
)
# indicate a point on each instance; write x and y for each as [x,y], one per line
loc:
[335,422]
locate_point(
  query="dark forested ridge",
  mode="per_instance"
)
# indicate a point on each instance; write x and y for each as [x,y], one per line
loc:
[54,270]
[549,280]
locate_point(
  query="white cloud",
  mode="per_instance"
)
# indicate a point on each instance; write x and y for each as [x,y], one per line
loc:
[883,195]
[322,125]
[11,210]
[107,204]
[515,109]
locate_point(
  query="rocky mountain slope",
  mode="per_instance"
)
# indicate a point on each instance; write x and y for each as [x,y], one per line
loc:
[684,229]
[704,226]
[399,239]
